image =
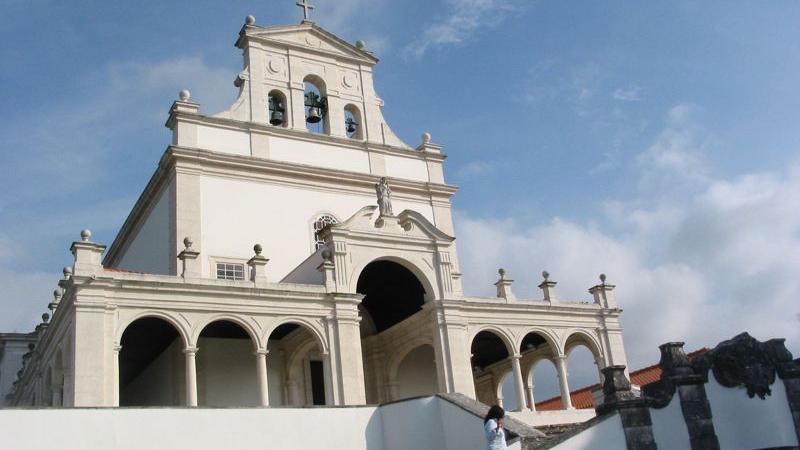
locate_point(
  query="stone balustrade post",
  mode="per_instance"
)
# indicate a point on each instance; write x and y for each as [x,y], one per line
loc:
[603,293]
[190,267]
[548,287]
[88,255]
[503,286]
[258,266]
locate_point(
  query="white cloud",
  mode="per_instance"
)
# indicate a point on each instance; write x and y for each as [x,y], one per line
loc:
[699,268]
[678,153]
[629,94]
[464,19]
[477,168]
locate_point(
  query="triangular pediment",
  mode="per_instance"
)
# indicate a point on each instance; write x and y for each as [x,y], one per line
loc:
[407,224]
[308,36]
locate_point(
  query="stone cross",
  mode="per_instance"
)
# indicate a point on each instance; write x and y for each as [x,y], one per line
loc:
[384,197]
[307,7]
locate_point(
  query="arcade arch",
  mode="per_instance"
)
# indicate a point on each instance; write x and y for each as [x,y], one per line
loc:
[225,365]
[298,367]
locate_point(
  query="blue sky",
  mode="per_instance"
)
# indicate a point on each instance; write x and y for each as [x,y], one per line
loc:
[654,141]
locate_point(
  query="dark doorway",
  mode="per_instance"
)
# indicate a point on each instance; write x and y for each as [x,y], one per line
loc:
[317,382]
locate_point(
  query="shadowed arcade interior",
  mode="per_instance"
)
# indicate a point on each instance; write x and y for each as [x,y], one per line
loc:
[151,366]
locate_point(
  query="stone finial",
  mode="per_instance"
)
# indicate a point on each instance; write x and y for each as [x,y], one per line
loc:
[603,293]
[328,270]
[57,295]
[548,288]
[184,95]
[188,257]
[361,45]
[258,265]
[45,318]
[67,272]
[426,138]
[503,286]
[250,20]
[88,255]
[674,360]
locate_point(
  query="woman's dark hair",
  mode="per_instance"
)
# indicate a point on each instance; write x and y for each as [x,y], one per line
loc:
[495,412]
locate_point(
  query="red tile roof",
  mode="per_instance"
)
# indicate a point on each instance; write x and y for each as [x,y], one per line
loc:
[582,398]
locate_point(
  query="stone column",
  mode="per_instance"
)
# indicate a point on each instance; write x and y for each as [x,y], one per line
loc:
[348,348]
[519,384]
[531,401]
[561,367]
[261,370]
[191,376]
[326,373]
[115,374]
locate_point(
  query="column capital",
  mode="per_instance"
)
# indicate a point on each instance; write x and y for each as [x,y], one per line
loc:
[190,350]
[516,356]
[116,348]
[261,351]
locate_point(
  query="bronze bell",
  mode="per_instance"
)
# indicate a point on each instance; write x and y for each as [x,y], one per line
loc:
[314,114]
[276,118]
[351,125]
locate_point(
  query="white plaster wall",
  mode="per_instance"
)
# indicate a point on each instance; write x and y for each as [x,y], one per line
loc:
[318,154]
[237,214]
[607,434]
[223,140]
[416,374]
[462,431]
[669,428]
[192,429]
[742,422]
[409,168]
[415,424]
[226,372]
[149,251]
[10,364]
[162,382]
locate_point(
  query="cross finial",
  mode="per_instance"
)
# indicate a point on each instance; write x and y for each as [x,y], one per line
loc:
[307,7]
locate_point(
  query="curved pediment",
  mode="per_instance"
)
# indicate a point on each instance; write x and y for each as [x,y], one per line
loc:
[408,223]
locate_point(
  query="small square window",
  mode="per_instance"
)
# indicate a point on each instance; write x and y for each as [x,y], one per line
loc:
[228,271]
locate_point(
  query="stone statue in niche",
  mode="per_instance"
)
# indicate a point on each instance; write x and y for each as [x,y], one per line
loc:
[384,197]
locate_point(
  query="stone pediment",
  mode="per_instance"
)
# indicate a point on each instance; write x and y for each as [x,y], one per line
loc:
[407,224]
[308,36]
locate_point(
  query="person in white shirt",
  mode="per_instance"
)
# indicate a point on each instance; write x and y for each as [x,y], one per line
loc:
[493,429]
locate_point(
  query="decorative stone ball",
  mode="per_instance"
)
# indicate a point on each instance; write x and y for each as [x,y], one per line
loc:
[258,249]
[187,242]
[57,293]
[327,255]
[545,275]
[86,235]
[426,138]
[250,20]
[45,317]
[184,95]
[602,278]
[67,272]
[502,272]
[361,45]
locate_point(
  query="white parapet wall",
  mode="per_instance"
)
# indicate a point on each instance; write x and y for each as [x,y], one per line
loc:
[419,424]
[559,417]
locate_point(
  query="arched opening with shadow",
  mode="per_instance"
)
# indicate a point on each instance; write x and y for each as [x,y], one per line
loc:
[543,378]
[151,364]
[226,366]
[490,361]
[392,321]
[391,294]
[297,370]
[534,348]
[415,375]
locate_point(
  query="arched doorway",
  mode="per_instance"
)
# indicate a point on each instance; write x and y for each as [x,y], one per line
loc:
[226,370]
[151,364]
[392,318]
[490,362]
[298,371]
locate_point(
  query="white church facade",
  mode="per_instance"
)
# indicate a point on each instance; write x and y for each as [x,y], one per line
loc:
[258,269]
